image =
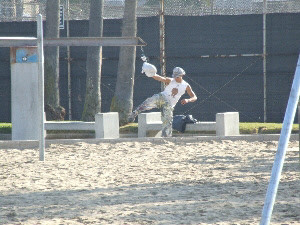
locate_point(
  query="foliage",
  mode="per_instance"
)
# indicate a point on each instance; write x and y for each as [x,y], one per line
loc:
[129,128]
[184,2]
[79,1]
[5,128]
[245,128]
[264,128]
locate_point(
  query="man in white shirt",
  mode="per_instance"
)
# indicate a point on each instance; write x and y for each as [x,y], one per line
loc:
[167,99]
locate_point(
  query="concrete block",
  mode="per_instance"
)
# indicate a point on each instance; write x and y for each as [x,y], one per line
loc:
[69,125]
[148,121]
[107,125]
[201,126]
[227,124]
[24,93]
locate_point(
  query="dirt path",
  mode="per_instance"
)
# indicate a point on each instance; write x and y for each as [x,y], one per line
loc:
[147,183]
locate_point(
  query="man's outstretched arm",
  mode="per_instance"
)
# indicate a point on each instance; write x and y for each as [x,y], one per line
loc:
[166,80]
[192,95]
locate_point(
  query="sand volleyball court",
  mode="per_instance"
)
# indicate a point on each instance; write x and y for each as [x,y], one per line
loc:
[163,182]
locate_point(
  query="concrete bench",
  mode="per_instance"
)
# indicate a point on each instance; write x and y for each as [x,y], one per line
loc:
[106,125]
[227,124]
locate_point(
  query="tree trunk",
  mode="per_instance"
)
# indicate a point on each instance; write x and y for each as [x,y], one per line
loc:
[122,101]
[52,60]
[92,104]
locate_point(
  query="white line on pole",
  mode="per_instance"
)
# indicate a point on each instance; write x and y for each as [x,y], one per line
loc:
[282,146]
[41,86]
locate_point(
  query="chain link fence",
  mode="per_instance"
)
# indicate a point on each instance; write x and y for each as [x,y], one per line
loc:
[27,10]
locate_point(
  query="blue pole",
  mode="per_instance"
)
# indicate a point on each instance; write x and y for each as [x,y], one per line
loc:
[282,146]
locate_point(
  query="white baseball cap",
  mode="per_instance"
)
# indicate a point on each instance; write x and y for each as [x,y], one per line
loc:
[178,71]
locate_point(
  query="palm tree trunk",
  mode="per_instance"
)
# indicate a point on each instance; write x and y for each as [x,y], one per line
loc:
[92,104]
[122,101]
[52,63]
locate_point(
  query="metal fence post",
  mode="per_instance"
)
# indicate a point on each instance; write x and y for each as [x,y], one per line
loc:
[282,146]
[265,57]
[41,113]
[162,41]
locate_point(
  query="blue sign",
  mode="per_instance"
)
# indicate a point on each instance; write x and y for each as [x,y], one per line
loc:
[24,55]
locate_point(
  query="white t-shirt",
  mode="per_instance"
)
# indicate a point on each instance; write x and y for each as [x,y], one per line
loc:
[174,91]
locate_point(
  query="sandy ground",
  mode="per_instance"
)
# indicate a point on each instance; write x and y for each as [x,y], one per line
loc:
[211,182]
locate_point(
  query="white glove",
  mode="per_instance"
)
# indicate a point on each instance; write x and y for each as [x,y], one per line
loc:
[149,69]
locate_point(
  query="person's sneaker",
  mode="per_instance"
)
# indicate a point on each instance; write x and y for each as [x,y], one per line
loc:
[131,117]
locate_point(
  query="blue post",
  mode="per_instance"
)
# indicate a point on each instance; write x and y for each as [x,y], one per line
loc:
[282,146]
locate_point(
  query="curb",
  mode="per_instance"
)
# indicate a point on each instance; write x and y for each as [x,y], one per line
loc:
[251,138]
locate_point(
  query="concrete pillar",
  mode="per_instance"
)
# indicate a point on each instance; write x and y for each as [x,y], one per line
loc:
[24,93]
[107,125]
[144,119]
[227,124]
